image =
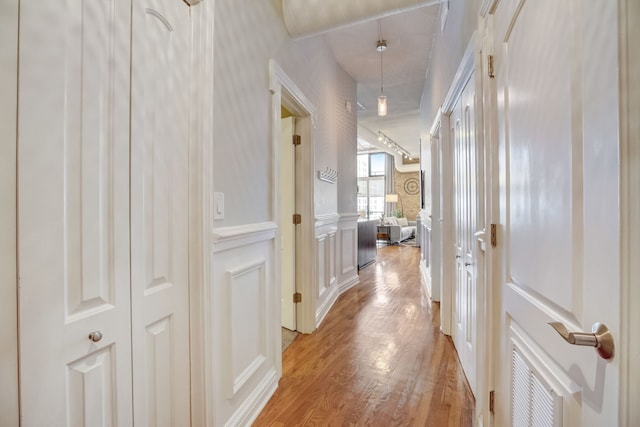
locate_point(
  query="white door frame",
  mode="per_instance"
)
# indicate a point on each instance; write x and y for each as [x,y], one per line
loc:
[439,131]
[441,127]
[200,218]
[8,225]
[285,92]
[628,344]
[287,249]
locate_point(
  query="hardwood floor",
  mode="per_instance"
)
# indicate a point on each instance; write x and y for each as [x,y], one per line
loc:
[378,359]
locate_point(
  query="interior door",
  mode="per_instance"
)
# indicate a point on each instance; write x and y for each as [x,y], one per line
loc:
[73,210]
[159,212]
[557,90]
[465,206]
[287,228]
[436,224]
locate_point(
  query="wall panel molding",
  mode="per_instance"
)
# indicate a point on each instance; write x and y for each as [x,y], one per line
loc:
[245,321]
[227,238]
[246,334]
[347,251]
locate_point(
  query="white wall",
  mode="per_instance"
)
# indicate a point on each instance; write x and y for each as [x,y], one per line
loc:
[245,299]
[247,35]
[449,47]
[8,307]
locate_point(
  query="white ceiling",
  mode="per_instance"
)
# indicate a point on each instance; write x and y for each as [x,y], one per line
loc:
[409,37]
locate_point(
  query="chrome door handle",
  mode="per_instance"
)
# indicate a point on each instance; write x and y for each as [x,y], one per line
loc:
[600,338]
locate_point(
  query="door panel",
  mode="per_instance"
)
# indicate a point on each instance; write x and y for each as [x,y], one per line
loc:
[559,207]
[73,213]
[287,229]
[463,137]
[159,212]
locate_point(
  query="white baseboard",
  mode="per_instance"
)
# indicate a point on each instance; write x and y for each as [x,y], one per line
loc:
[255,403]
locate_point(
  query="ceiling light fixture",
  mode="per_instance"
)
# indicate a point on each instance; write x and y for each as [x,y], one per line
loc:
[394,145]
[381,46]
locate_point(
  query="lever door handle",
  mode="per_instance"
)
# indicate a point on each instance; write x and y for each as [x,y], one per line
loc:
[600,338]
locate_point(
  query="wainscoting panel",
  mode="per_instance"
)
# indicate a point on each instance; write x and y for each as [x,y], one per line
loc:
[321,265]
[331,261]
[347,238]
[246,314]
[245,322]
[426,258]
[326,258]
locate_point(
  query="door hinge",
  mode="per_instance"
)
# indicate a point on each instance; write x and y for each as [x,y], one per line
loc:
[296,140]
[297,219]
[494,237]
[490,65]
[492,396]
[297,297]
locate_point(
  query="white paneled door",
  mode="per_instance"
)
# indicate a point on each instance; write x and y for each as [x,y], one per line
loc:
[103,282]
[73,212]
[463,139]
[160,211]
[557,86]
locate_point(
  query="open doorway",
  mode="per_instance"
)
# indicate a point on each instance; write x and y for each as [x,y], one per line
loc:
[293,201]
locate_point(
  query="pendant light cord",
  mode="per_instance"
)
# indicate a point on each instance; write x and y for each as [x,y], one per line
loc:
[381,50]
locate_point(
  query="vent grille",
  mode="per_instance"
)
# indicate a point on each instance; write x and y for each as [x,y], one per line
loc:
[533,402]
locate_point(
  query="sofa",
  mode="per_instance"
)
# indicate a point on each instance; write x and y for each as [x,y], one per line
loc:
[399,228]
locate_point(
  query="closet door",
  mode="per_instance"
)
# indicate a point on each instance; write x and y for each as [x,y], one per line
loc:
[73,211]
[159,212]
[465,209]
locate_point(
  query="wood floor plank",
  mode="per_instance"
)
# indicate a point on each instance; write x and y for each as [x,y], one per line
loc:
[378,359]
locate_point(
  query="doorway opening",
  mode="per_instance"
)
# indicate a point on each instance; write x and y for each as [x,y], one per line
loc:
[294,187]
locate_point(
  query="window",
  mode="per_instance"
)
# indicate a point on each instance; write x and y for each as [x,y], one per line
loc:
[371,184]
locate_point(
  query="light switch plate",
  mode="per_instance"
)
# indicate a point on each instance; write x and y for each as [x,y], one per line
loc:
[218,206]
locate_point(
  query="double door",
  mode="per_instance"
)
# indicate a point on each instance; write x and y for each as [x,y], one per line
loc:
[103,212]
[467,205]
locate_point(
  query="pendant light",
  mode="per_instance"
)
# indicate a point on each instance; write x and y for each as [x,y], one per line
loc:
[381,46]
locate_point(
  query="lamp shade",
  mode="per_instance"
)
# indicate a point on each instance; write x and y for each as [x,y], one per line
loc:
[382,105]
[391,198]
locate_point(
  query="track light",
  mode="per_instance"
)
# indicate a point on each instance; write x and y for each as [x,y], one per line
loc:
[394,145]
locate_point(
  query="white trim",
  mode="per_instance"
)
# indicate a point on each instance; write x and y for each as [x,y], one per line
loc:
[348,216]
[628,344]
[227,238]
[326,305]
[279,79]
[465,69]
[253,404]
[446,229]
[199,183]
[485,7]
[327,219]
[344,287]
[434,132]
[9,391]
[236,383]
